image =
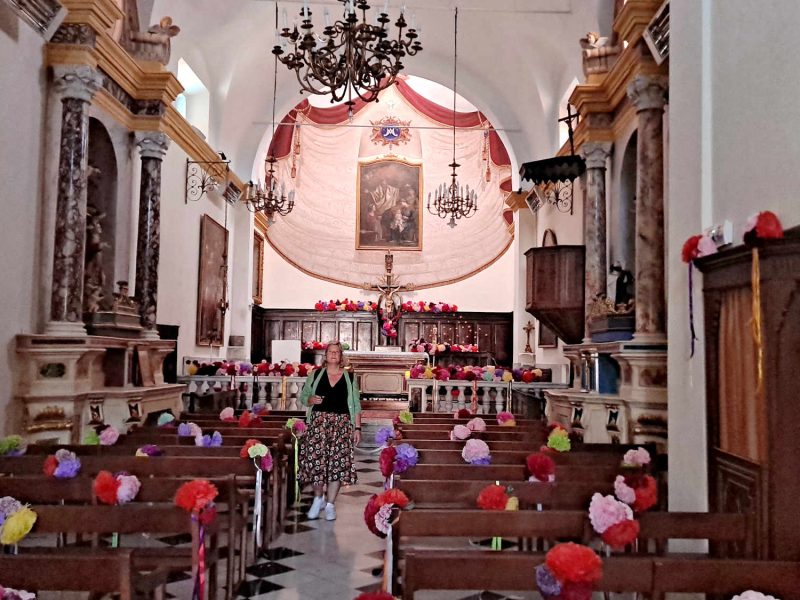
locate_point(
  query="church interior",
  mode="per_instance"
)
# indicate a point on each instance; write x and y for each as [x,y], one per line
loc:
[531,237]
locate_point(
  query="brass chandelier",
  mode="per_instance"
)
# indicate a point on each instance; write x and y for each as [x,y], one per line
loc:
[352,55]
[271,199]
[453,199]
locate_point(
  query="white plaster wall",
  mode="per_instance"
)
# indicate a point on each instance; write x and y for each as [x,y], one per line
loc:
[733,147]
[21,137]
[180,255]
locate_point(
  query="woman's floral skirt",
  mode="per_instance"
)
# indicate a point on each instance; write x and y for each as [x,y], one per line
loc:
[326,450]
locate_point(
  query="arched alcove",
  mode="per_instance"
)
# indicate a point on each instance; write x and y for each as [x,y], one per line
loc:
[101,212]
[622,222]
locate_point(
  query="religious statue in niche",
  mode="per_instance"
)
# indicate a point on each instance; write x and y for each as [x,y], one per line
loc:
[388,205]
[618,299]
[94,277]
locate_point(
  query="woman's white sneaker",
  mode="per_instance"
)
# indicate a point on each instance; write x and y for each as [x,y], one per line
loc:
[316,506]
[330,512]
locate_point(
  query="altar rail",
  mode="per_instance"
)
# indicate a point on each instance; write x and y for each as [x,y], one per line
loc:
[274,392]
[492,397]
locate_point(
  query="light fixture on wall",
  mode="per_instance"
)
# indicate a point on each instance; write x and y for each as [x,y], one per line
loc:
[203,176]
[271,199]
[553,178]
[452,199]
[351,55]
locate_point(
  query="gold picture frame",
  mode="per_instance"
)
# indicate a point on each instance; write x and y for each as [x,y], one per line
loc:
[389,205]
[258,268]
[211,283]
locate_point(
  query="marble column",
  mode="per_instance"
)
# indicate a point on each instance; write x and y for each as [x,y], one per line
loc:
[76,85]
[152,148]
[648,95]
[594,222]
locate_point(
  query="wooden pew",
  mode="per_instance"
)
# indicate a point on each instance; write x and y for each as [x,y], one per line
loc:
[725,576]
[510,457]
[730,534]
[509,435]
[134,519]
[509,571]
[99,571]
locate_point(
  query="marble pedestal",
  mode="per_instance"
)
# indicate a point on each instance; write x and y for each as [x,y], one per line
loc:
[635,413]
[67,385]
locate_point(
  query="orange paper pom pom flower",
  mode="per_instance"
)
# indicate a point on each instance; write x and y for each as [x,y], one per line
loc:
[194,496]
[574,563]
[392,496]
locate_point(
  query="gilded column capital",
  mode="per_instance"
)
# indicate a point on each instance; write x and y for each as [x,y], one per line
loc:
[596,154]
[81,82]
[152,144]
[648,91]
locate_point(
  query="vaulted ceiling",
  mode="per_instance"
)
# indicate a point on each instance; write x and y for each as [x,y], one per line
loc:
[517,58]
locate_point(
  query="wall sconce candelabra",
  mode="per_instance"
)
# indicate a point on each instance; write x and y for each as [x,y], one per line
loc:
[203,176]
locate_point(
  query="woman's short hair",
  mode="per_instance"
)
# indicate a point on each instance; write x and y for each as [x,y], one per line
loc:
[341,354]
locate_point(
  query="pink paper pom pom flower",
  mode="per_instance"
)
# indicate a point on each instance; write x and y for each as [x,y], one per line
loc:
[129,486]
[638,457]
[460,432]
[623,491]
[476,452]
[109,436]
[605,511]
[476,424]
[227,414]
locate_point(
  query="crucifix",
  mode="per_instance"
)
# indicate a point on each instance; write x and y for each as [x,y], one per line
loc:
[388,288]
[527,329]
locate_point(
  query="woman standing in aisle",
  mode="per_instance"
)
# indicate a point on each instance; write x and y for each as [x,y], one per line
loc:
[334,429]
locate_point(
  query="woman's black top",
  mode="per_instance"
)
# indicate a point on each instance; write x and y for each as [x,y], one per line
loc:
[334,398]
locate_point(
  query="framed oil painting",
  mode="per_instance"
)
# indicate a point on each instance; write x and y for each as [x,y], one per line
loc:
[211,282]
[389,203]
[547,337]
[258,267]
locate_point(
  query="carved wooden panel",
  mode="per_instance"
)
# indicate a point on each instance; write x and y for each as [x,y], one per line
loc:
[465,333]
[411,329]
[555,290]
[737,486]
[428,331]
[447,332]
[310,331]
[328,331]
[346,332]
[291,330]
[365,335]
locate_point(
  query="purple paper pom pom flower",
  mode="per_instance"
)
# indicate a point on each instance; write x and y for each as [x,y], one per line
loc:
[184,429]
[216,440]
[408,454]
[383,435]
[8,505]
[486,460]
[149,450]
[548,585]
[67,468]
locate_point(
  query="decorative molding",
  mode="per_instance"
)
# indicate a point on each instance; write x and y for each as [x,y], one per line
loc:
[152,144]
[76,81]
[43,15]
[648,92]
[596,154]
[101,15]
[261,223]
[75,34]
[633,19]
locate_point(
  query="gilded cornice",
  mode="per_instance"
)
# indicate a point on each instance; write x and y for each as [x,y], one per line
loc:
[101,15]
[634,17]
[141,80]
[262,223]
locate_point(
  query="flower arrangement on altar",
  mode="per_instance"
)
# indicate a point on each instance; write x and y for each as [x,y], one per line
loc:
[16,520]
[569,571]
[345,305]
[62,465]
[382,510]
[428,307]
[12,445]
[115,489]
[421,345]
[542,468]
[475,373]
[476,452]
[236,369]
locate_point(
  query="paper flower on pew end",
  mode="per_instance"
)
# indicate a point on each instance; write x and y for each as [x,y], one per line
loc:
[386,460]
[149,450]
[109,436]
[62,465]
[406,417]
[639,457]
[12,446]
[646,490]
[494,497]
[227,414]
[18,520]
[623,491]
[762,226]
[196,496]
[569,572]
[114,489]
[189,430]
[506,419]
[753,595]
[296,426]
[165,420]
[460,432]
[209,441]
[407,456]
[245,451]
[462,413]
[541,467]
[476,424]
[248,419]
[11,594]
[559,440]
[613,520]
[476,452]
[384,434]
[368,596]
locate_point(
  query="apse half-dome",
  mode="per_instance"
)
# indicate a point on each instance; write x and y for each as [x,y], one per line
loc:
[362,185]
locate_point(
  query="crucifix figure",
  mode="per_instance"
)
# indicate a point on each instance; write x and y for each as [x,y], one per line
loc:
[388,287]
[527,329]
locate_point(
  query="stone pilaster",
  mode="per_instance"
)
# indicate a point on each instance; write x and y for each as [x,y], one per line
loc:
[594,221]
[152,148]
[648,95]
[76,85]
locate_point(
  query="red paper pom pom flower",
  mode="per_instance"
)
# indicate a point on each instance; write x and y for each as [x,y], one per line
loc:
[195,496]
[574,563]
[541,467]
[493,497]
